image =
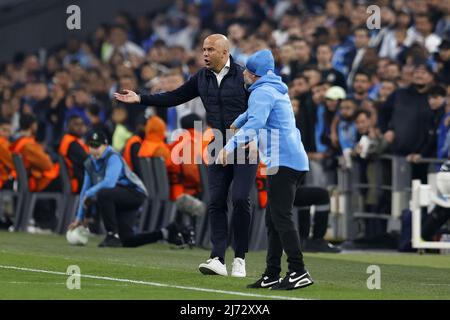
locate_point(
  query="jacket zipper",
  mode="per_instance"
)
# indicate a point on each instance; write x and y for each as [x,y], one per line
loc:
[222,119]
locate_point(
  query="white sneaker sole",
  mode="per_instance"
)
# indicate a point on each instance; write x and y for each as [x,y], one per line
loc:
[238,275]
[205,269]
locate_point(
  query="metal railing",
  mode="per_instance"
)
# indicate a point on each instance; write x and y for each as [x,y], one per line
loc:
[391,174]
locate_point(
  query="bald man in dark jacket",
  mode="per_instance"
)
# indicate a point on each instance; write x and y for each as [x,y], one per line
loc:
[220,85]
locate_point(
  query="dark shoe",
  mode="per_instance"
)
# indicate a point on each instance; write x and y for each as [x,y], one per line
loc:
[188,235]
[319,245]
[111,242]
[264,282]
[294,280]
[5,223]
[175,236]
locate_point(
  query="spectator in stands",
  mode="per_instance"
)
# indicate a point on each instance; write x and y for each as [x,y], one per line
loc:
[361,85]
[393,71]
[121,133]
[406,114]
[393,44]
[7,172]
[118,43]
[387,87]
[6,161]
[328,136]
[154,144]
[38,102]
[43,174]
[355,56]
[312,74]
[57,111]
[184,174]
[444,62]
[96,120]
[133,145]
[77,102]
[346,129]
[439,122]
[324,54]
[299,86]
[443,25]
[343,27]
[436,138]
[75,52]
[422,32]
[74,151]
[302,56]
[286,60]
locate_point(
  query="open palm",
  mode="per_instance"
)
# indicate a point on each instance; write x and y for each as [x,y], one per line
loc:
[128,97]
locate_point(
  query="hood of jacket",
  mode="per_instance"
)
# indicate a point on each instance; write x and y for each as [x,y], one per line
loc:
[272,80]
[155,129]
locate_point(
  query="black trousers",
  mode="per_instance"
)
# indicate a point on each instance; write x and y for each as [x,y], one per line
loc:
[118,208]
[44,212]
[434,221]
[304,199]
[220,178]
[281,231]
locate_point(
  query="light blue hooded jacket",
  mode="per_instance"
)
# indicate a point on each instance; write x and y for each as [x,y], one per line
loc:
[270,108]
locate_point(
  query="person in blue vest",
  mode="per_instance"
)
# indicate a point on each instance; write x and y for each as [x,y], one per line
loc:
[118,194]
[270,108]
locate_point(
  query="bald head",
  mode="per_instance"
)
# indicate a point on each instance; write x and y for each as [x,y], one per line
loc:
[219,41]
[216,51]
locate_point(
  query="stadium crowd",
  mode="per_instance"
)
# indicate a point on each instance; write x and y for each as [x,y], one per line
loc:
[356,92]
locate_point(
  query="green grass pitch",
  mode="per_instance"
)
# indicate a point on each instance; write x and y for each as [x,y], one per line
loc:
[159,272]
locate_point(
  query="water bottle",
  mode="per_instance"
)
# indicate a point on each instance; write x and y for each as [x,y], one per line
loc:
[446,239]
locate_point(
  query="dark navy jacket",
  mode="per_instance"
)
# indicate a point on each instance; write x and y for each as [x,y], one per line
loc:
[223,104]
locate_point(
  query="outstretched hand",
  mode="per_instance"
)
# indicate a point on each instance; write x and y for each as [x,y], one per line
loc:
[128,97]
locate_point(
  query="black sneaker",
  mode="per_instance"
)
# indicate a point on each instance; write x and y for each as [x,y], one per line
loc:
[5,223]
[294,280]
[110,241]
[319,245]
[264,282]
[175,236]
[188,235]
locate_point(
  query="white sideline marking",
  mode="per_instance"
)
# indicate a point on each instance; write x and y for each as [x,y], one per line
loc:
[155,284]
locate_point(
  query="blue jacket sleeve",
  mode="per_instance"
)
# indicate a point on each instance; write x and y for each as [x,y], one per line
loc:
[185,93]
[113,169]
[239,122]
[86,185]
[259,107]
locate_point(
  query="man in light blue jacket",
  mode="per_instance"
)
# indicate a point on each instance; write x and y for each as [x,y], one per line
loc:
[270,120]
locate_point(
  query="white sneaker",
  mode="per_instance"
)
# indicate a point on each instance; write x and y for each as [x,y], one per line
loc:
[238,268]
[213,267]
